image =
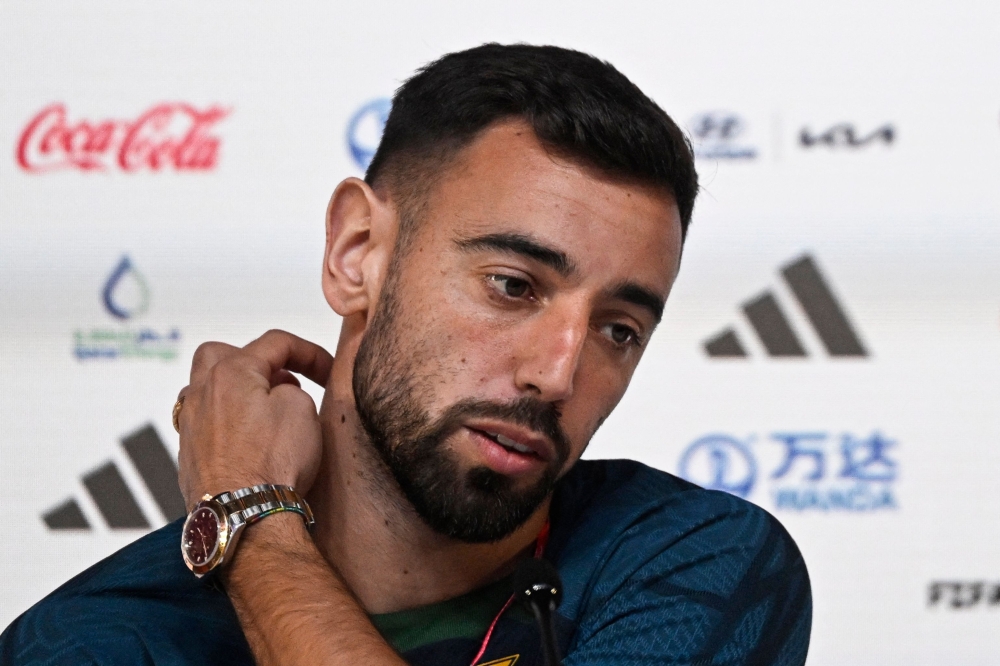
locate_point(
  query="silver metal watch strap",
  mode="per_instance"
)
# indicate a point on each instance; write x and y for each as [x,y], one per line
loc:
[248,505]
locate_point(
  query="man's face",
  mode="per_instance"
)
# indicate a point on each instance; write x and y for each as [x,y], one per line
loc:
[508,329]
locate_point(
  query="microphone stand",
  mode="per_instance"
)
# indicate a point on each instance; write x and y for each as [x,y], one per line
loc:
[543,613]
[537,584]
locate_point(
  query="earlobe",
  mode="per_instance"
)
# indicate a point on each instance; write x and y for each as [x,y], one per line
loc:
[356,222]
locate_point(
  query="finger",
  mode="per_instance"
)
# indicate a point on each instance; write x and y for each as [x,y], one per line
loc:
[283,351]
[175,413]
[183,408]
[206,356]
[296,397]
[284,377]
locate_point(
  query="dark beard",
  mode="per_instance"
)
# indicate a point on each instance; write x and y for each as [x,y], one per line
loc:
[477,506]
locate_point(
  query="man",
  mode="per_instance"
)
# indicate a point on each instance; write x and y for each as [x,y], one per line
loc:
[499,272]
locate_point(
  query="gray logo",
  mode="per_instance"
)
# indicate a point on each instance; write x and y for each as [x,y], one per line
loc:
[962,595]
[716,136]
[845,135]
[768,320]
[111,494]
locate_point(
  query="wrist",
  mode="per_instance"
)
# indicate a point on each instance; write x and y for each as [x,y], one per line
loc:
[216,525]
[282,533]
[280,539]
[213,486]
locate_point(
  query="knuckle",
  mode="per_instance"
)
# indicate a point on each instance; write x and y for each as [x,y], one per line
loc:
[294,396]
[203,353]
[230,372]
[221,372]
[304,399]
[209,354]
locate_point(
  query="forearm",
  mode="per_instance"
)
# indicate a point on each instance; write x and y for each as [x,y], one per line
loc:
[295,609]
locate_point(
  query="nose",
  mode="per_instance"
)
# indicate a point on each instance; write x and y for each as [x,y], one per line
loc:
[549,355]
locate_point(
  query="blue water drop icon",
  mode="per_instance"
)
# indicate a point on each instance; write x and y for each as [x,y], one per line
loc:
[364,131]
[125,294]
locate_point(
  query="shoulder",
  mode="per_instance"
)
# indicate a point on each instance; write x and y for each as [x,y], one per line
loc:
[602,501]
[140,605]
[626,536]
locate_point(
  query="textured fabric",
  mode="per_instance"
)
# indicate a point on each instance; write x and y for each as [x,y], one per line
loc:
[467,616]
[655,571]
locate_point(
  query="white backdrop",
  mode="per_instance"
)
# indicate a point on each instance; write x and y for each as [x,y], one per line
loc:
[883,466]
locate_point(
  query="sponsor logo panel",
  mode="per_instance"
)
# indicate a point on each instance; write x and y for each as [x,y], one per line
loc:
[956,595]
[115,501]
[847,135]
[815,471]
[169,135]
[126,297]
[769,322]
[721,135]
[364,130]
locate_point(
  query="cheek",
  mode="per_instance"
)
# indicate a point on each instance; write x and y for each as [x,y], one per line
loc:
[482,360]
[464,353]
[597,390]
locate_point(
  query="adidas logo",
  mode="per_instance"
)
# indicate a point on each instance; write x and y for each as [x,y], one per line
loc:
[775,332]
[111,494]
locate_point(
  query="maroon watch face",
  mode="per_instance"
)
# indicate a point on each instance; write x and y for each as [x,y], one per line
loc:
[201,535]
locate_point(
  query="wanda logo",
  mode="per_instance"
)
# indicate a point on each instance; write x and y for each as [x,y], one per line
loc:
[167,136]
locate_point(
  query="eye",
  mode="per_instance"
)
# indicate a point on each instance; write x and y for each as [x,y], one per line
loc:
[622,335]
[509,286]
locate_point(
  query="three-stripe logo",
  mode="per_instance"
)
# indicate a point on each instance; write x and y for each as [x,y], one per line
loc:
[775,332]
[111,494]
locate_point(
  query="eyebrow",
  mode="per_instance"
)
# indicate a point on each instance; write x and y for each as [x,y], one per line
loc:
[526,246]
[521,245]
[630,292]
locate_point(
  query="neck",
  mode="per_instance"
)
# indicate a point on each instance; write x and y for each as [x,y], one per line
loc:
[370,533]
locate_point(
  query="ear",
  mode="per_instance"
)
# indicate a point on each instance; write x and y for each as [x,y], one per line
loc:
[360,234]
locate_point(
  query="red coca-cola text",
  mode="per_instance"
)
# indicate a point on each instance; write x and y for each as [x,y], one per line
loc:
[168,135]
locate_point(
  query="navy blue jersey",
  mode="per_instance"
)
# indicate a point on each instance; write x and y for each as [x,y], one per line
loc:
[655,570]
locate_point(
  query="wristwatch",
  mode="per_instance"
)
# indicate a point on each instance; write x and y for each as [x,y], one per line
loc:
[212,529]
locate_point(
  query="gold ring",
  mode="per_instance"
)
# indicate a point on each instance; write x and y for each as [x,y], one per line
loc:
[177,414]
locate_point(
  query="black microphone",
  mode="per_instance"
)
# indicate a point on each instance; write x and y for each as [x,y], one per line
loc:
[536,583]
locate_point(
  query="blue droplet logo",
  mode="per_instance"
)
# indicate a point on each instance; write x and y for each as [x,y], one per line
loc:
[364,131]
[125,294]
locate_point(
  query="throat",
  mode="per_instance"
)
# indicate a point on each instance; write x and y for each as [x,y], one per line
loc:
[371,535]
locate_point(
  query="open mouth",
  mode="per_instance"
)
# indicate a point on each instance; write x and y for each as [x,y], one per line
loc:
[508,443]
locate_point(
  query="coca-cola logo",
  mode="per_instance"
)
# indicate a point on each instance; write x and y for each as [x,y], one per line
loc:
[167,136]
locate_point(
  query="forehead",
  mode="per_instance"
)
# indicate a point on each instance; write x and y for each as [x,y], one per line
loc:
[507,181]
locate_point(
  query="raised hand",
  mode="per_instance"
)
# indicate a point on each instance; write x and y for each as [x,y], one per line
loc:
[245,419]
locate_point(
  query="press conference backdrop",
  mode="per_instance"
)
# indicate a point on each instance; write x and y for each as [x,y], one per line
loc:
[830,350]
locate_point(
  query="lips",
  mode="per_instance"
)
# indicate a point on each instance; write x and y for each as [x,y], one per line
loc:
[515,439]
[508,443]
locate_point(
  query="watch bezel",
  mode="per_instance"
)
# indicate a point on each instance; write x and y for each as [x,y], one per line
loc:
[223,536]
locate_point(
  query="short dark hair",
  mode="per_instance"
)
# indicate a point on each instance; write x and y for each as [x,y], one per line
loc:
[578,106]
